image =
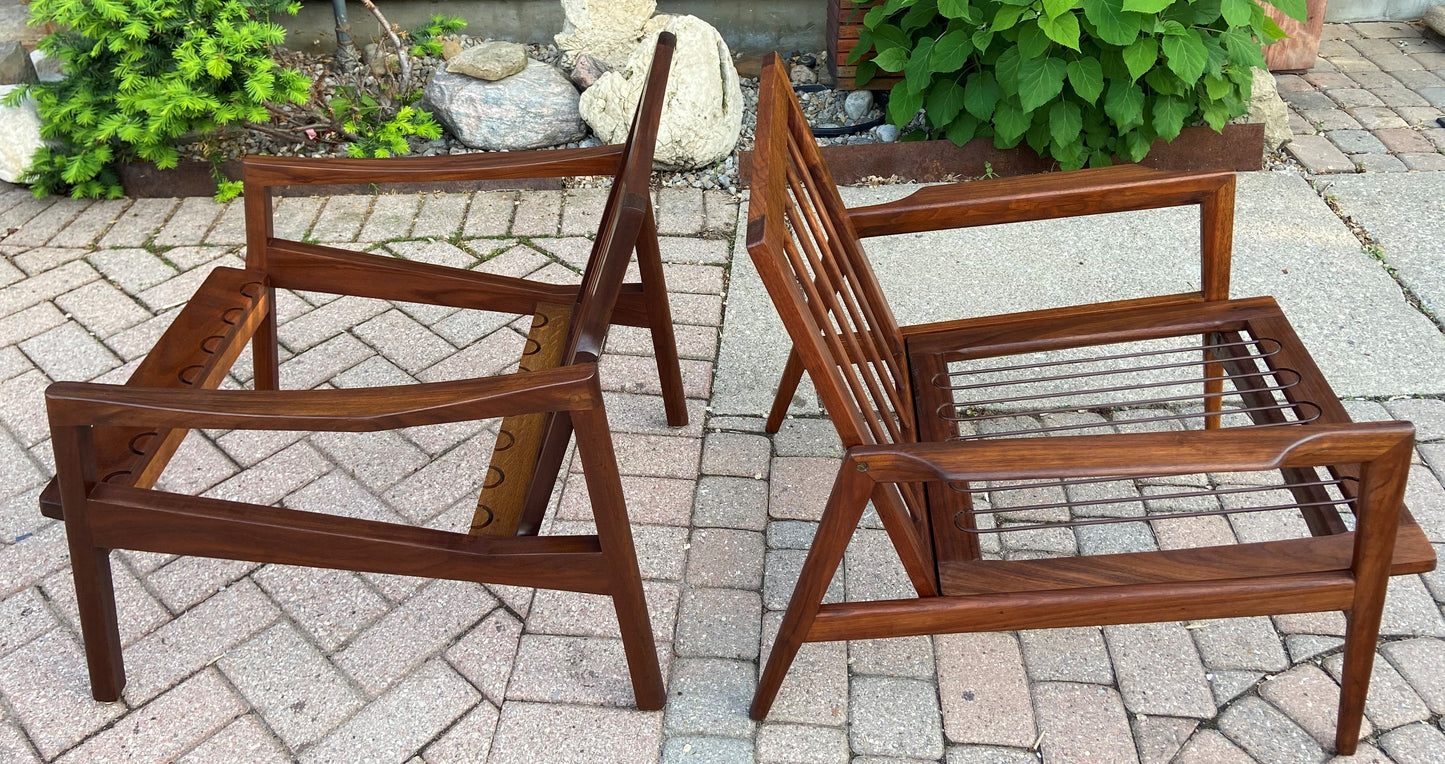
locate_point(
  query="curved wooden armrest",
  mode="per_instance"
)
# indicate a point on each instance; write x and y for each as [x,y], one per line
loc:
[1133,454]
[310,171]
[570,388]
[1121,188]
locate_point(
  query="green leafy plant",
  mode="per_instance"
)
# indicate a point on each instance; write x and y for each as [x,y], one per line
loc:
[144,73]
[425,39]
[1080,81]
[377,131]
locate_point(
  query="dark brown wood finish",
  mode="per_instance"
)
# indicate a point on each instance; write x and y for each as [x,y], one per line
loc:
[112,442]
[892,393]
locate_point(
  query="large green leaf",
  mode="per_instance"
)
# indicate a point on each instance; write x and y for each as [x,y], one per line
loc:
[918,72]
[1125,104]
[1040,80]
[981,38]
[1169,115]
[1147,6]
[951,51]
[1186,56]
[962,130]
[903,104]
[1056,8]
[955,9]
[1086,77]
[1136,144]
[1294,9]
[1065,121]
[1242,48]
[1140,56]
[1006,69]
[980,94]
[1114,25]
[1216,114]
[1009,122]
[892,60]
[1007,16]
[919,16]
[1063,30]
[1032,41]
[944,102]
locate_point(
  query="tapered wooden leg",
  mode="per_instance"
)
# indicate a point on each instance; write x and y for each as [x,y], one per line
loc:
[264,349]
[792,375]
[614,535]
[1377,507]
[659,320]
[1360,634]
[840,519]
[95,597]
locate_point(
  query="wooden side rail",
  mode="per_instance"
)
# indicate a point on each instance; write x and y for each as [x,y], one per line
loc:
[261,172]
[1124,188]
[1134,454]
[570,388]
[196,351]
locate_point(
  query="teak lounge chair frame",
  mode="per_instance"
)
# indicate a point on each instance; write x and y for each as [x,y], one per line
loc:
[919,453]
[112,442]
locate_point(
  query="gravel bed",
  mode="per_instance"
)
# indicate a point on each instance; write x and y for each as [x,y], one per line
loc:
[306,130]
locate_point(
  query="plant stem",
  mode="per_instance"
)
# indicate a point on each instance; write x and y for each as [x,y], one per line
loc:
[405,85]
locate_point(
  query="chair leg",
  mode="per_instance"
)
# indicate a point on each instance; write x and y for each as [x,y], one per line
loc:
[614,536]
[1361,631]
[787,385]
[840,518]
[659,319]
[95,597]
[264,355]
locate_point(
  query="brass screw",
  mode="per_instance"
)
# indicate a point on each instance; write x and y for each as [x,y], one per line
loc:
[862,466]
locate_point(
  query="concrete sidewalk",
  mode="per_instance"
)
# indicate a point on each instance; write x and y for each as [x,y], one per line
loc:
[237,662]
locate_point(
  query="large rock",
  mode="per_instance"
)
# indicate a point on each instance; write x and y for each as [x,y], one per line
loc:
[1266,106]
[15,66]
[608,30]
[490,61]
[48,69]
[704,107]
[19,136]
[533,108]
[1435,19]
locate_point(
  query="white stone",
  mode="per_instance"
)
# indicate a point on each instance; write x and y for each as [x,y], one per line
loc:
[19,136]
[1266,106]
[858,104]
[1435,19]
[608,30]
[704,104]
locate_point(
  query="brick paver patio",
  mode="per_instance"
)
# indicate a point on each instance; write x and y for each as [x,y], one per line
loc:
[231,661]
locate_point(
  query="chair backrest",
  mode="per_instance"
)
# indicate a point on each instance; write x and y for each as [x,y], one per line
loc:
[820,281]
[810,259]
[628,204]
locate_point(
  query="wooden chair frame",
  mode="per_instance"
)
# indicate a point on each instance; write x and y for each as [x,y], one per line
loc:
[112,442]
[889,392]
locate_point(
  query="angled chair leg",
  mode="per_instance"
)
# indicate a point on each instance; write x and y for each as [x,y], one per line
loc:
[95,599]
[1361,630]
[659,319]
[840,519]
[614,535]
[787,386]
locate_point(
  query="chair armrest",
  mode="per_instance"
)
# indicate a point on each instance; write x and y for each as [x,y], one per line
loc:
[1134,454]
[1039,197]
[571,388]
[267,171]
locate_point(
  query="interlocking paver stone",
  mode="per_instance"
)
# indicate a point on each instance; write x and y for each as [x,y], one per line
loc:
[1266,733]
[719,623]
[68,352]
[725,558]
[299,693]
[801,744]
[1319,155]
[1158,738]
[189,223]
[1415,744]
[1210,747]
[984,690]
[244,739]
[547,733]
[342,219]
[469,739]
[538,213]
[44,226]
[138,222]
[1067,655]
[1311,699]
[1159,671]
[403,720]
[894,717]
[1082,722]
[47,689]
[587,670]
[1391,703]
[709,696]
[386,650]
